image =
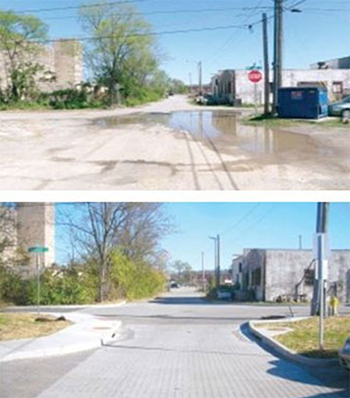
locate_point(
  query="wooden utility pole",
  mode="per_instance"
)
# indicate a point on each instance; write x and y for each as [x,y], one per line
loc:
[277,54]
[266,67]
[200,78]
[218,261]
[203,274]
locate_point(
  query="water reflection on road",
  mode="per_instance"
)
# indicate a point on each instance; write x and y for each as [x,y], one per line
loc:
[224,128]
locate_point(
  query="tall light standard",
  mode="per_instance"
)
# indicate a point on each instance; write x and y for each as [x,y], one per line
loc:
[203,274]
[216,240]
[199,71]
[213,238]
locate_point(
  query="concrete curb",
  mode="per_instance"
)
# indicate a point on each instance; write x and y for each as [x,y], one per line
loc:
[57,307]
[284,351]
[67,341]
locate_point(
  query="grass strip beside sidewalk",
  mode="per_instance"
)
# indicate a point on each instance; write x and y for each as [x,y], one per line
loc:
[15,326]
[303,338]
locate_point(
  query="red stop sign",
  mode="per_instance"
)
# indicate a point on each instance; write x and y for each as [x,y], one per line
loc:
[254,76]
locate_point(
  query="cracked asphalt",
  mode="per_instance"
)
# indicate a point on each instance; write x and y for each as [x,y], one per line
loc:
[168,145]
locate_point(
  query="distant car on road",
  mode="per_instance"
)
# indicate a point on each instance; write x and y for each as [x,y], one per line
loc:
[224,294]
[344,354]
[341,108]
[174,285]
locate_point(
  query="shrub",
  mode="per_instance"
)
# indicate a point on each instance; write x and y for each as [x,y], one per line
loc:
[64,286]
[133,280]
[13,288]
[72,99]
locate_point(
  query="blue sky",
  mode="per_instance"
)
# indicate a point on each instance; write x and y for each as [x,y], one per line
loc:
[244,225]
[319,32]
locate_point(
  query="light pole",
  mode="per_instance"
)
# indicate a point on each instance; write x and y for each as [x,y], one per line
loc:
[216,240]
[199,72]
[203,273]
[213,238]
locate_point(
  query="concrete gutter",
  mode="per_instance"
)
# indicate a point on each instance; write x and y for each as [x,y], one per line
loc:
[267,339]
[87,332]
[48,308]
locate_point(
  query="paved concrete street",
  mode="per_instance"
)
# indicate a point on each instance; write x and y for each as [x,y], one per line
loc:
[175,346]
[170,144]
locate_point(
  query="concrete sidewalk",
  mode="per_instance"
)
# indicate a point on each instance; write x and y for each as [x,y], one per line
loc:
[87,332]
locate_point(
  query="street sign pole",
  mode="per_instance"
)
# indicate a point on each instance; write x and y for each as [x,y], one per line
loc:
[38,282]
[37,250]
[255,100]
[255,76]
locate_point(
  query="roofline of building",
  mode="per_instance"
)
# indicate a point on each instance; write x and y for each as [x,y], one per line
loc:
[330,60]
[294,250]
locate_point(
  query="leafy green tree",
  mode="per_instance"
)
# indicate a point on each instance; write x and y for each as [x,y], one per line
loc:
[122,52]
[20,38]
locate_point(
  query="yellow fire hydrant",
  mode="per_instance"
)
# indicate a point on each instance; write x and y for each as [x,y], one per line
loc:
[334,303]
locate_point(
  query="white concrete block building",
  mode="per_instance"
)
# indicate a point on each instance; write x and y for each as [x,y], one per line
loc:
[233,86]
[288,273]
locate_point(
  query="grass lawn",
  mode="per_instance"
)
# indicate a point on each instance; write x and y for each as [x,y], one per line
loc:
[21,326]
[303,339]
[270,121]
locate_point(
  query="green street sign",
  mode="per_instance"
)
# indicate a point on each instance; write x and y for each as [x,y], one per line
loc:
[38,249]
[253,67]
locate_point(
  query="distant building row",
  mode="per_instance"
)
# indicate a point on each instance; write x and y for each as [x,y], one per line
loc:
[232,86]
[273,274]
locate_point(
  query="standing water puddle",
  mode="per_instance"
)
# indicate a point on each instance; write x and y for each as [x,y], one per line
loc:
[222,128]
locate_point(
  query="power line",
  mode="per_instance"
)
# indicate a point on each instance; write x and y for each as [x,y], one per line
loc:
[232,36]
[246,215]
[91,6]
[161,12]
[78,7]
[136,34]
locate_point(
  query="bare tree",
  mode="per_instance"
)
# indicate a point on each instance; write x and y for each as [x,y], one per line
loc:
[98,229]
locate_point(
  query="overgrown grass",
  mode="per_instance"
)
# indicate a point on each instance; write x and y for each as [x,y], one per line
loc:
[143,97]
[268,120]
[21,326]
[24,106]
[272,121]
[303,339]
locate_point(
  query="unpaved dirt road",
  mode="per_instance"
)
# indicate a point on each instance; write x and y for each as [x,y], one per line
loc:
[167,145]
